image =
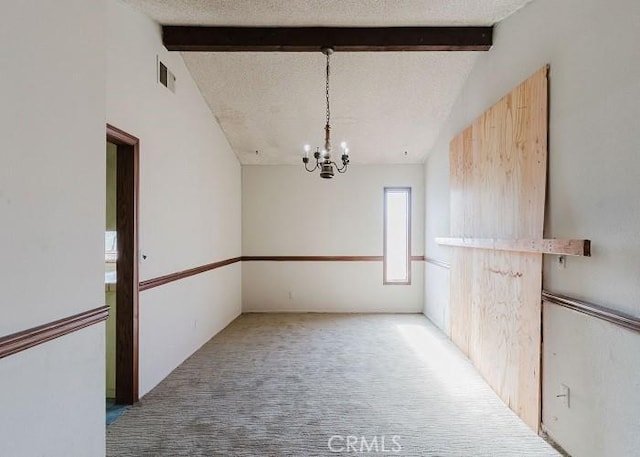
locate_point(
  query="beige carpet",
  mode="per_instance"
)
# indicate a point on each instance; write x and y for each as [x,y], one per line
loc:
[312,385]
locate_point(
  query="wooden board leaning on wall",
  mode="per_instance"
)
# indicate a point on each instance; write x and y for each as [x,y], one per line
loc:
[498,169]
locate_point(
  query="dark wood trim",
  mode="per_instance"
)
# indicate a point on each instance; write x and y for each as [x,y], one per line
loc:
[321,258]
[384,236]
[313,258]
[117,136]
[310,39]
[159,281]
[439,263]
[606,314]
[127,203]
[18,342]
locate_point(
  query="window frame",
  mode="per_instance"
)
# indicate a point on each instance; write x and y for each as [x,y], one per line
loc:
[385,281]
[111,255]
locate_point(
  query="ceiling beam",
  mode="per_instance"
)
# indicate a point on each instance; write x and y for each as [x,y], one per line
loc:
[311,39]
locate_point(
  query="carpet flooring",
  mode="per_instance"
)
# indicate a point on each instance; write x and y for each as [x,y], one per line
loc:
[324,384]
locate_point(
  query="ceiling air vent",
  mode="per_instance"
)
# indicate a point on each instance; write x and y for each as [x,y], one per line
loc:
[165,77]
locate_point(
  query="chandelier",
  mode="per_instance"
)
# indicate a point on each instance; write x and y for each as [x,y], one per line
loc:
[323,157]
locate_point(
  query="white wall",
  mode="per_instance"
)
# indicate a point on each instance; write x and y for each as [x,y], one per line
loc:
[436,281]
[52,193]
[289,212]
[190,207]
[599,362]
[593,48]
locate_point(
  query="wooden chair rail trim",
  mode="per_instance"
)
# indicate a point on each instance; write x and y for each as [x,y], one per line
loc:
[543,246]
[322,258]
[18,342]
[161,280]
[600,312]
[437,262]
[313,258]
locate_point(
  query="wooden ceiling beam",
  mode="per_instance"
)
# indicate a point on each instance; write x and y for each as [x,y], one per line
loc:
[312,39]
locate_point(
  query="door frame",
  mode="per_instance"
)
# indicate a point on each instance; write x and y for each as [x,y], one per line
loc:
[127,196]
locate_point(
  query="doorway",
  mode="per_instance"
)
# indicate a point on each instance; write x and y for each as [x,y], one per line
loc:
[121,267]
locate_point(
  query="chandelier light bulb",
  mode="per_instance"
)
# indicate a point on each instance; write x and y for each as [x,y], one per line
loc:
[307,148]
[343,145]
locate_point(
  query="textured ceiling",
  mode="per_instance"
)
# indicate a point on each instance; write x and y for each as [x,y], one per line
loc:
[382,104]
[328,12]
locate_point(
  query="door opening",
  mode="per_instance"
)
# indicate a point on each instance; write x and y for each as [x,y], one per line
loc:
[124,257]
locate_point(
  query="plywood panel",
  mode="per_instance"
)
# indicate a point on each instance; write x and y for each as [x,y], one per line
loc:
[460,181]
[498,177]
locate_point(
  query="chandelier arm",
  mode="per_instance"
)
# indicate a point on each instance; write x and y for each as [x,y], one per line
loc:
[343,169]
[313,169]
[339,169]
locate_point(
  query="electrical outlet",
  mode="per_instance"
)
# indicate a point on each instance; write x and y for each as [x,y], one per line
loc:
[562,261]
[565,395]
[291,295]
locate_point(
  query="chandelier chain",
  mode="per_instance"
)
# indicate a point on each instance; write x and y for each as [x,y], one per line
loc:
[327,92]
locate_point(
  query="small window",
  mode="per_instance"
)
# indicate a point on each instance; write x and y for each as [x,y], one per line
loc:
[397,235]
[110,246]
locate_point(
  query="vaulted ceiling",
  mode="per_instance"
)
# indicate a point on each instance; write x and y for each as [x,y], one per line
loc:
[389,106]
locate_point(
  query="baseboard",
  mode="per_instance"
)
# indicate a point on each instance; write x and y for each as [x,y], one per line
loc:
[324,311]
[544,434]
[186,356]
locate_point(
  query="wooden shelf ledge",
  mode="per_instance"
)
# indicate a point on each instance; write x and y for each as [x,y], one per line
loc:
[542,246]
